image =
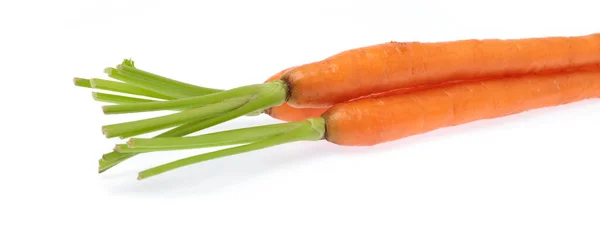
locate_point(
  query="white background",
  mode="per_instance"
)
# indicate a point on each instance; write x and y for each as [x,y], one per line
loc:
[539,167]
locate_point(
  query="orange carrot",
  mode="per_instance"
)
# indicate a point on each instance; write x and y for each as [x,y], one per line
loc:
[375,120]
[378,120]
[378,68]
[373,70]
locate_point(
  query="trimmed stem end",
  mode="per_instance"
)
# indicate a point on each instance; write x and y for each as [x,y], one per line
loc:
[131,143]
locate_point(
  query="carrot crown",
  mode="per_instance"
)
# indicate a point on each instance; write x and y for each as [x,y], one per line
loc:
[206,107]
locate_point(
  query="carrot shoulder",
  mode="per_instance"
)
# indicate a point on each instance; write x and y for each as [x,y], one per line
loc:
[290,114]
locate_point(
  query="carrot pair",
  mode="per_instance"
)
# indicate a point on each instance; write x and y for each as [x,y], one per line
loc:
[448,83]
[372,121]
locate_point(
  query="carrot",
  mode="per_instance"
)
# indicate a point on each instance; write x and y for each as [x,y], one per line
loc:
[395,65]
[425,111]
[382,68]
[375,120]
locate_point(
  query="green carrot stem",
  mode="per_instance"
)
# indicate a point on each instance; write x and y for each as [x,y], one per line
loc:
[117,99]
[191,90]
[82,82]
[144,83]
[223,138]
[114,155]
[124,149]
[256,97]
[126,88]
[197,125]
[104,165]
[112,159]
[129,129]
[128,150]
[311,130]
[246,91]
[109,85]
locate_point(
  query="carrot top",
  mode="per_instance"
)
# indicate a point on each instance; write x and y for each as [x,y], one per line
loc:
[198,107]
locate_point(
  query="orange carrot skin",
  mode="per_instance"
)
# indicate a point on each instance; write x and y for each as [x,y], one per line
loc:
[372,121]
[389,66]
